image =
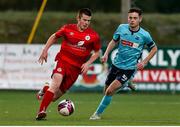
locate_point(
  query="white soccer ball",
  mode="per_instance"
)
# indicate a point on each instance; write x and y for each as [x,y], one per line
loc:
[66,107]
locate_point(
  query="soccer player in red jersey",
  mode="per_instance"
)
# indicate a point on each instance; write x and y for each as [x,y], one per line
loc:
[74,57]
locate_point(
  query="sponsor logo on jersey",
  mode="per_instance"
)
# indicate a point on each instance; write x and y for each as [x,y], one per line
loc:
[135,45]
[87,38]
[80,43]
[137,38]
[130,44]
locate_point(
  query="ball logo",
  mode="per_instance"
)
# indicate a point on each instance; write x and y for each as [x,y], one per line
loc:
[87,38]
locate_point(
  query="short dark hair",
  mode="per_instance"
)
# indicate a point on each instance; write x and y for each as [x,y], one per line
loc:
[85,11]
[135,9]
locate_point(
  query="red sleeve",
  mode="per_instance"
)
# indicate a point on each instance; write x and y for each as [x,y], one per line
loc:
[97,44]
[60,32]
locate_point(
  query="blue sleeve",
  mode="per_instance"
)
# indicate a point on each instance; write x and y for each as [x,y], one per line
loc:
[116,35]
[149,41]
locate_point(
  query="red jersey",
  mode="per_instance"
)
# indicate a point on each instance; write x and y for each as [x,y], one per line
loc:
[76,46]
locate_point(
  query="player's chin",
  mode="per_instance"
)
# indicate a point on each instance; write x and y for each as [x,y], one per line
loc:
[85,27]
[132,25]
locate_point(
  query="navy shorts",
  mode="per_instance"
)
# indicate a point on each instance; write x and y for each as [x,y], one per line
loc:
[121,75]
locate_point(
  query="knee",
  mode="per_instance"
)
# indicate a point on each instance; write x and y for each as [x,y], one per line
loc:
[57,95]
[108,92]
[53,89]
[56,82]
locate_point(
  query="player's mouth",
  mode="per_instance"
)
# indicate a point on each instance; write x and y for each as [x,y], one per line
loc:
[132,23]
[85,26]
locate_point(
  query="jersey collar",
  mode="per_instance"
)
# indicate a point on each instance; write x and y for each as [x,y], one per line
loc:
[132,32]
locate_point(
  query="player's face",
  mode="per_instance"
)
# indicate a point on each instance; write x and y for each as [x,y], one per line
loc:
[83,22]
[134,20]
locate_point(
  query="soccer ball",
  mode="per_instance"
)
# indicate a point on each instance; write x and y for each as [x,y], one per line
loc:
[66,107]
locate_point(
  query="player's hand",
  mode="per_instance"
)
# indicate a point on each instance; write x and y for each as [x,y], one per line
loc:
[43,57]
[141,65]
[84,68]
[104,59]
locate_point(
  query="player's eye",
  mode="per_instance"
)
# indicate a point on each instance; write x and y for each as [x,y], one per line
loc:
[86,20]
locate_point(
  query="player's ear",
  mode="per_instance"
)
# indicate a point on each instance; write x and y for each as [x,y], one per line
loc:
[140,18]
[77,17]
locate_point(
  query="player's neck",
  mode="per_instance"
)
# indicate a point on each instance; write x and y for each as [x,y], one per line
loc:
[134,28]
[79,28]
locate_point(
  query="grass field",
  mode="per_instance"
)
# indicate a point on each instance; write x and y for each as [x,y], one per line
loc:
[20,107]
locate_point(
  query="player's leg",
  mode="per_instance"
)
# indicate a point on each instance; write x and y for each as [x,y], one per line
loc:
[68,81]
[106,100]
[49,94]
[121,77]
[42,91]
[57,95]
[130,82]
[131,86]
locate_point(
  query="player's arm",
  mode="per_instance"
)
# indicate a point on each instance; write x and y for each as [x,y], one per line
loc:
[93,57]
[43,57]
[142,64]
[111,45]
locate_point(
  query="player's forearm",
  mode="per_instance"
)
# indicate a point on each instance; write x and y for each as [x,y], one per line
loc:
[93,57]
[151,54]
[52,39]
[111,45]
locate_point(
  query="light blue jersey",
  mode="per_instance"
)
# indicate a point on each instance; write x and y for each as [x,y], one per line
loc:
[130,46]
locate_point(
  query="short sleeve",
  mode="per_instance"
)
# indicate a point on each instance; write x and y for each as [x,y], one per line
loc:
[60,32]
[116,35]
[149,41]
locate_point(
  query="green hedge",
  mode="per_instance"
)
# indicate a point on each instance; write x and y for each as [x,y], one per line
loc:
[15,27]
[150,6]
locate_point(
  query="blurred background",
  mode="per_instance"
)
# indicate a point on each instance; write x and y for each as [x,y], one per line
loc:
[18,55]
[17,18]
[25,26]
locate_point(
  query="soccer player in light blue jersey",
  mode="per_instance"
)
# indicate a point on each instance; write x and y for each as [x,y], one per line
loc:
[131,39]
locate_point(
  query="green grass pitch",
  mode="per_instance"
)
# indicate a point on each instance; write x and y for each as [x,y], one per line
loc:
[20,107]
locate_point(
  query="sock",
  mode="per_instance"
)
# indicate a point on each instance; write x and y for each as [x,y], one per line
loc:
[104,103]
[48,96]
[45,88]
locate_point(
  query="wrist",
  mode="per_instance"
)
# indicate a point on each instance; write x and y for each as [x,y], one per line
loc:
[144,63]
[45,50]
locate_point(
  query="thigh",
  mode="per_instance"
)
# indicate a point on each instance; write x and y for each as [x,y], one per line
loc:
[111,75]
[57,76]
[55,83]
[59,68]
[70,77]
[115,85]
[124,75]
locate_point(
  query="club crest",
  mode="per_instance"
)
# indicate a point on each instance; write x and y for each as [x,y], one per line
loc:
[87,38]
